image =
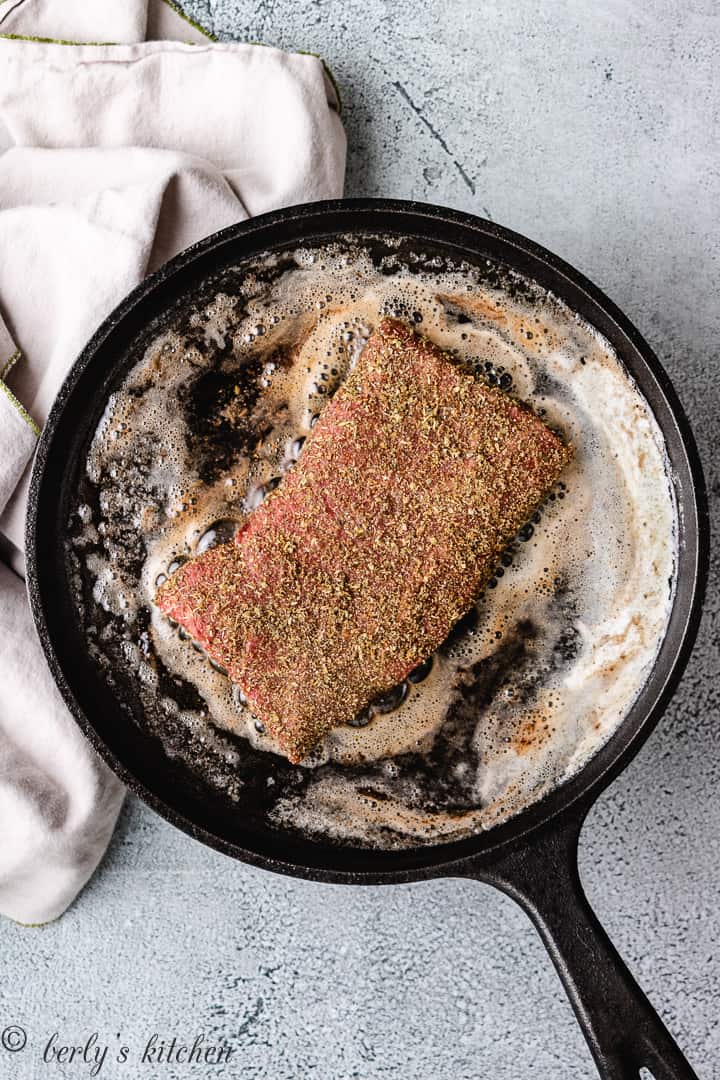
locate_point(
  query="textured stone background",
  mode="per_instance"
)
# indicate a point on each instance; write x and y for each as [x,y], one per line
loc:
[592,128]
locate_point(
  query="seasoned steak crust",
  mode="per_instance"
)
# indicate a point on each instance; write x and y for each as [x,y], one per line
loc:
[412,482]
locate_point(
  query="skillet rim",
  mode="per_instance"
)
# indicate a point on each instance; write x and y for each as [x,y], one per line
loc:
[363,866]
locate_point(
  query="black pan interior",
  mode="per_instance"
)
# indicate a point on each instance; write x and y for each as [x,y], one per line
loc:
[108,713]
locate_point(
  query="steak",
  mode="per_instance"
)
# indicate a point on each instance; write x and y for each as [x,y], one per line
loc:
[357,566]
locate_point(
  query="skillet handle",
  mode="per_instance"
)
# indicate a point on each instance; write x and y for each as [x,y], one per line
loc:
[624,1032]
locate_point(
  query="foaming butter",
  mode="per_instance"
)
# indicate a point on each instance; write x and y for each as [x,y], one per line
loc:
[214,412]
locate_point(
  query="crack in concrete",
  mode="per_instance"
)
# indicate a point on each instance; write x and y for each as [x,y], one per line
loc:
[435,134]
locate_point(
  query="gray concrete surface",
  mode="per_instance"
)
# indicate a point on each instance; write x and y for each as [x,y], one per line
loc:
[594,129]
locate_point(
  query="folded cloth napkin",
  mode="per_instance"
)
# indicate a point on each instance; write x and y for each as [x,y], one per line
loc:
[114,157]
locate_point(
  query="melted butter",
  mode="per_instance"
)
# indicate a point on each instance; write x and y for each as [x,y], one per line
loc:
[563,641]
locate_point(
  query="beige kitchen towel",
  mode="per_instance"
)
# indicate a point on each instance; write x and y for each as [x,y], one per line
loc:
[114,157]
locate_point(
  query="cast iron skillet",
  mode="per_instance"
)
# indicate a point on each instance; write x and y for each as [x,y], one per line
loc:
[533,857]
